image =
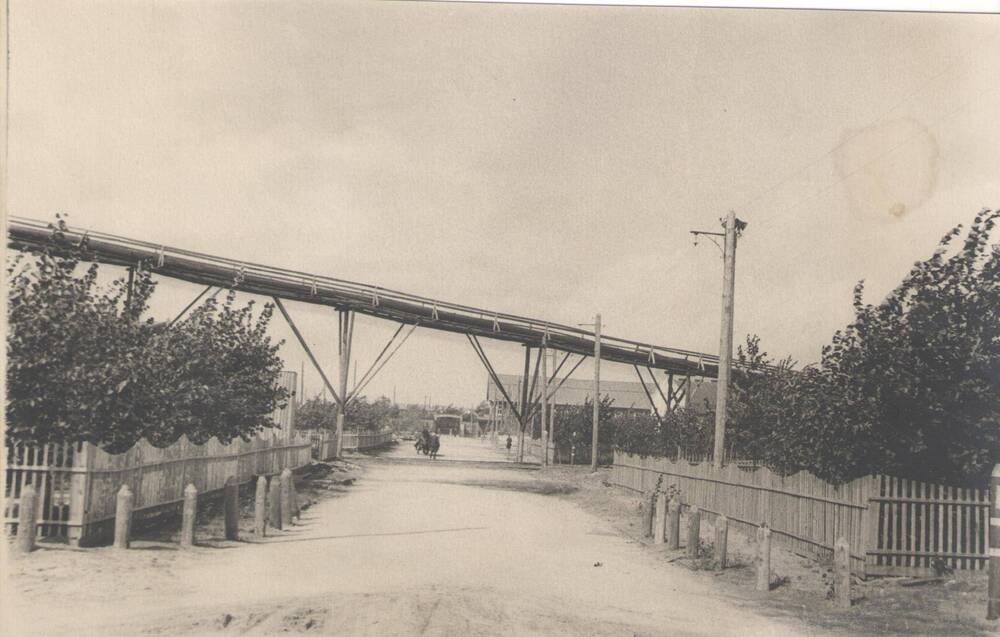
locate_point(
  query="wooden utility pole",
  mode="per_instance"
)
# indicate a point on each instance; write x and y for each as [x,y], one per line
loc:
[545,404]
[597,392]
[733,228]
[524,404]
[552,409]
[725,340]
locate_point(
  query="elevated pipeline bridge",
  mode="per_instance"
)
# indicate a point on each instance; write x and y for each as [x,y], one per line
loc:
[349,298]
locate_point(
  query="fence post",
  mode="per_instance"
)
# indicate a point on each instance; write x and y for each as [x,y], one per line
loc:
[296,509]
[649,503]
[870,520]
[188,515]
[993,605]
[661,519]
[694,531]
[674,541]
[231,495]
[763,559]
[26,517]
[286,497]
[123,517]
[721,539]
[274,502]
[260,508]
[842,572]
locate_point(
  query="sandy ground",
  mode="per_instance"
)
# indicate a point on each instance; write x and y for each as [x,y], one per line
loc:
[412,547]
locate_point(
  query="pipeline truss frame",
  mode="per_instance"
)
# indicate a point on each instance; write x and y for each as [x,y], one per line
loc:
[29,234]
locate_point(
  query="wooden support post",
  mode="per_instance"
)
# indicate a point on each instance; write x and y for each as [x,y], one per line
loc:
[721,540]
[694,532]
[260,508]
[286,498]
[189,515]
[660,530]
[763,559]
[842,572]
[231,496]
[274,503]
[993,605]
[523,411]
[674,541]
[346,333]
[123,517]
[594,437]
[26,517]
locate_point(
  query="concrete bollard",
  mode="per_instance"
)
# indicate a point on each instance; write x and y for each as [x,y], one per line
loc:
[721,539]
[26,518]
[674,540]
[189,515]
[842,572]
[231,495]
[286,498]
[993,603]
[660,529]
[123,517]
[694,532]
[763,559]
[260,508]
[274,503]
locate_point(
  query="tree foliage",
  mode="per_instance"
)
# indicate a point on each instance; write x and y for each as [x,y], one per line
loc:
[361,414]
[84,365]
[574,423]
[909,388]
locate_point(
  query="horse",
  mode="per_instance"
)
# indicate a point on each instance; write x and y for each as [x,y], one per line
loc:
[420,446]
[435,445]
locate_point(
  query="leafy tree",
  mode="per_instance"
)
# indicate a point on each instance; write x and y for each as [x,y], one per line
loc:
[371,416]
[917,376]
[688,430]
[82,365]
[909,388]
[361,414]
[316,413]
[574,423]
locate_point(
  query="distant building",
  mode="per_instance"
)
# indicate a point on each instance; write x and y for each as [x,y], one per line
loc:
[624,395]
[703,392]
[448,424]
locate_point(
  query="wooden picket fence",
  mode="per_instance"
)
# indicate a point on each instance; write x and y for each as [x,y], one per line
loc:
[893,526]
[324,445]
[78,482]
[919,525]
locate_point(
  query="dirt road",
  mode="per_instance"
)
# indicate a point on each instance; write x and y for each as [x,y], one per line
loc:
[415,547]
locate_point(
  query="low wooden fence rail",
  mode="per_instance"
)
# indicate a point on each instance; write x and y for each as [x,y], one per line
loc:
[359,441]
[893,526]
[77,482]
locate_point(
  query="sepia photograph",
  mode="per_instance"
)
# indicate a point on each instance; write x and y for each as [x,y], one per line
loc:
[468,318]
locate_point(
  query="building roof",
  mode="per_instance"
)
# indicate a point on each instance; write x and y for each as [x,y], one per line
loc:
[625,395]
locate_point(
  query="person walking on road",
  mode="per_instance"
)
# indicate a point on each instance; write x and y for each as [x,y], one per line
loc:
[509,443]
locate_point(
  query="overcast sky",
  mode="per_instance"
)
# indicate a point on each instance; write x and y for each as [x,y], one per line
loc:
[540,160]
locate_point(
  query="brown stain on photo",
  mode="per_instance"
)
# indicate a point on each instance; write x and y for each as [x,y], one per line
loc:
[889,167]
